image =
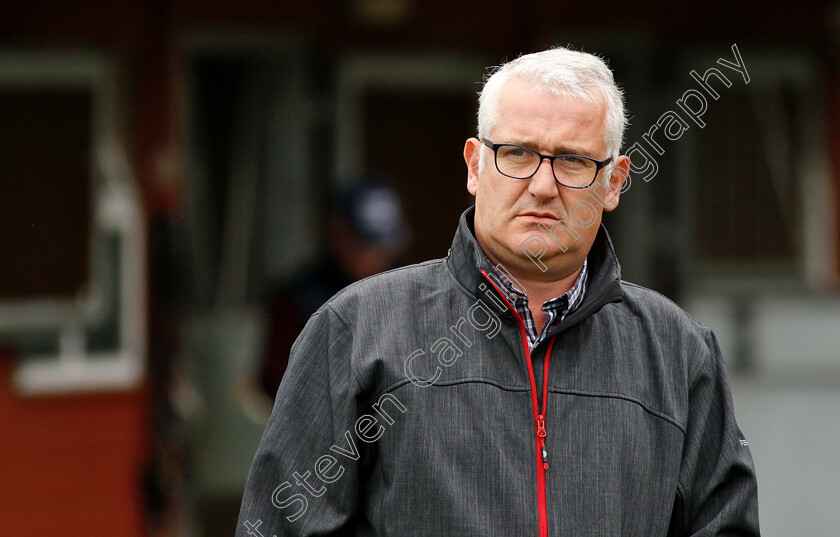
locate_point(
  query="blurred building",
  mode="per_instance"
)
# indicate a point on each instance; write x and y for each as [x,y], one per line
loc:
[162,163]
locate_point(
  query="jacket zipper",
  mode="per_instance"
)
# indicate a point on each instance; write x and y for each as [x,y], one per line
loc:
[539,414]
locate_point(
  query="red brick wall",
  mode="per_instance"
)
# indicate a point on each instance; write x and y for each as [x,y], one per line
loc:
[70,465]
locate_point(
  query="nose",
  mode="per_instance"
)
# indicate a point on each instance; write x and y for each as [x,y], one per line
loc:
[542,183]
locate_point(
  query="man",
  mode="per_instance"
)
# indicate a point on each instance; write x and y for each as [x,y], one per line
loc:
[518,386]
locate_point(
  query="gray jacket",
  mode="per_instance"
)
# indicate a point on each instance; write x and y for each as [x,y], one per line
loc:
[412,406]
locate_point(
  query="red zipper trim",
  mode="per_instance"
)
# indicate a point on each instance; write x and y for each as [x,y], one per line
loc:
[539,417]
[541,422]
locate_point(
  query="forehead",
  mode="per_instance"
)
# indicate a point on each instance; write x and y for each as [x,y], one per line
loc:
[538,118]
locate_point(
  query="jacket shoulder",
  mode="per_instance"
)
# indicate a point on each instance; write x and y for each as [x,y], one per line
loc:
[656,319]
[654,305]
[383,291]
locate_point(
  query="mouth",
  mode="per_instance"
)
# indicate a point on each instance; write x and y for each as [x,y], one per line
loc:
[539,218]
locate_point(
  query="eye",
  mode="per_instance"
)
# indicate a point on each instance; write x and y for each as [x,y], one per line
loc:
[512,152]
[574,162]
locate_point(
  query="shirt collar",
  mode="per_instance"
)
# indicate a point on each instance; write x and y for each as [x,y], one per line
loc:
[555,309]
[574,295]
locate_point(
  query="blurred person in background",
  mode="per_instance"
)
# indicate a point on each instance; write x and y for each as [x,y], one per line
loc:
[364,231]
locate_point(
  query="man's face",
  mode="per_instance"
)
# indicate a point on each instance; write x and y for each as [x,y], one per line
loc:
[508,211]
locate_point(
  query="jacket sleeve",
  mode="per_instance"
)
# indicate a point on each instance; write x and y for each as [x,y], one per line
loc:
[718,492]
[304,477]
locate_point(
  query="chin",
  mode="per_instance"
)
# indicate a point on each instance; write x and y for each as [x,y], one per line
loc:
[537,236]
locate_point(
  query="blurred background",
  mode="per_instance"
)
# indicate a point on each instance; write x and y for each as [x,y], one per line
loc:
[165,166]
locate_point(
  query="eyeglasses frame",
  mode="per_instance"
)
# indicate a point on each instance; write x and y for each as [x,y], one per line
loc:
[551,158]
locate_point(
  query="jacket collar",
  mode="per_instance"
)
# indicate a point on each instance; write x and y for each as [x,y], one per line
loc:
[466,260]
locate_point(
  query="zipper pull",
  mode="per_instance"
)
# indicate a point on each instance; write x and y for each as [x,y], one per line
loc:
[541,426]
[545,455]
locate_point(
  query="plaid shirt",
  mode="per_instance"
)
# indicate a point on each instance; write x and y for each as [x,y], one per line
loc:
[555,310]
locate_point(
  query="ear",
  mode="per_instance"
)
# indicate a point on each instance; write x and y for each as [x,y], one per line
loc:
[614,181]
[472,154]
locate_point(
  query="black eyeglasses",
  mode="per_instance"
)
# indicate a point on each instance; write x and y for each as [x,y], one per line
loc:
[520,162]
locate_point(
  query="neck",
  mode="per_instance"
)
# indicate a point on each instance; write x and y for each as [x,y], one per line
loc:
[543,291]
[549,284]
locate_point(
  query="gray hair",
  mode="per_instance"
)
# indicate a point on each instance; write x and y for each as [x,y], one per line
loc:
[559,71]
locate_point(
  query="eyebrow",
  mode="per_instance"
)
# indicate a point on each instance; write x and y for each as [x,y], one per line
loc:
[558,150]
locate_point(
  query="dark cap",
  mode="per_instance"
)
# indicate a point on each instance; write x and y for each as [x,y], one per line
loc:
[374,212]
